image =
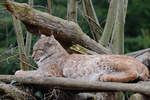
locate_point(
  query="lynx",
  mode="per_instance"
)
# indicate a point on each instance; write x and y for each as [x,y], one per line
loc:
[53,60]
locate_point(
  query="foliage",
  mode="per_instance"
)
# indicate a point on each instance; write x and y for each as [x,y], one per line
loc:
[139,42]
[8,61]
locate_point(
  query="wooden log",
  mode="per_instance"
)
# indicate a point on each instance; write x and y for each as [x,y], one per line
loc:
[138,96]
[79,85]
[14,92]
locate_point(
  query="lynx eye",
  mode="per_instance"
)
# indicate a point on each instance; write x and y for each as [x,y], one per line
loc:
[40,52]
[37,53]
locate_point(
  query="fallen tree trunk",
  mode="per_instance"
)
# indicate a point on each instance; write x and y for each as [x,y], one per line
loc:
[38,23]
[79,85]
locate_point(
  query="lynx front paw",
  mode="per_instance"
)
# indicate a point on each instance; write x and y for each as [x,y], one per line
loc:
[19,72]
[103,78]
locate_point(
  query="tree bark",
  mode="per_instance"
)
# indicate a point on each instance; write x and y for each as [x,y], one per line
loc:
[38,23]
[29,36]
[142,55]
[117,39]
[49,6]
[72,10]
[14,92]
[20,41]
[110,21]
[79,85]
[138,53]
[90,15]
[138,96]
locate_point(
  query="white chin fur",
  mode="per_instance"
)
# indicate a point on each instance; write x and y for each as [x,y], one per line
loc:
[42,36]
[40,61]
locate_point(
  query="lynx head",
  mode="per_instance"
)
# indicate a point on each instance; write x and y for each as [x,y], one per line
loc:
[43,48]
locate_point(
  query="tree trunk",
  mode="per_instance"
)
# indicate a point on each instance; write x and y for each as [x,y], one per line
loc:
[117,40]
[92,19]
[110,21]
[20,41]
[72,10]
[49,6]
[29,36]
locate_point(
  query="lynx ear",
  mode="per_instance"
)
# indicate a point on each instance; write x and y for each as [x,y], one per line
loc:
[51,39]
[42,36]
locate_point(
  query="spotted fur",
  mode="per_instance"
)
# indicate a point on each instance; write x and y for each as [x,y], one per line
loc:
[54,61]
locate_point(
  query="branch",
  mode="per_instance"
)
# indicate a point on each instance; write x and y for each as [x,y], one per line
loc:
[37,22]
[139,52]
[117,39]
[13,92]
[49,6]
[142,55]
[110,21]
[29,36]
[20,41]
[79,85]
[94,25]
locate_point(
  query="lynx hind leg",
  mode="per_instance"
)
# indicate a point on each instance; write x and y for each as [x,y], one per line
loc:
[34,73]
[119,77]
[144,75]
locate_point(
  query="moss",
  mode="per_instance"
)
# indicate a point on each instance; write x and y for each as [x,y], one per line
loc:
[78,49]
[20,10]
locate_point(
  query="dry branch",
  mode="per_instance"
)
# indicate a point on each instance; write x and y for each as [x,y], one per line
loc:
[13,92]
[20,41]
[142,55]
[49,6]
[138,53]
[117,39]
[92,19]
[79,85]
[29,36]
[111,16]
[38,23]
